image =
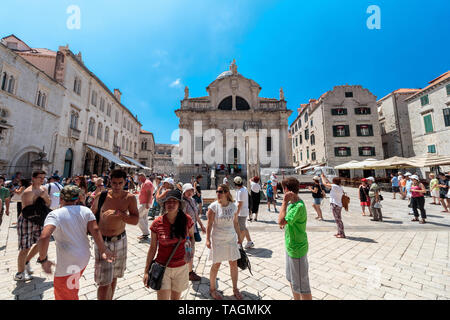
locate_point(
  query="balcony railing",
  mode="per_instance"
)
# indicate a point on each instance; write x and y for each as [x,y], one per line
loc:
[74,133]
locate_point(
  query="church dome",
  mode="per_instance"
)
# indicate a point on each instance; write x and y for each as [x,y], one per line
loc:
[224,74]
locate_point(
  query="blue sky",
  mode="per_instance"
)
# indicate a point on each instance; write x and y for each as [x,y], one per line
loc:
[152,49]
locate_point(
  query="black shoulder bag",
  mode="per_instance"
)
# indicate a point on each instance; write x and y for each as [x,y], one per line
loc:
[156,271]
[244,262]
[101,201]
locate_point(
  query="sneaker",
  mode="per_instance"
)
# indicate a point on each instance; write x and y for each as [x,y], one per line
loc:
[22,276]
[143,237]
[194,277]
[28,268]
[249,245]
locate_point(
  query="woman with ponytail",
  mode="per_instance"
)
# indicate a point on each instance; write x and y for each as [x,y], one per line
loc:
[167,230]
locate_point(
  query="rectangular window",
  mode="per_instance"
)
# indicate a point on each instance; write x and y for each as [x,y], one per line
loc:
[339,112]
[432,149]
[94,98]
[447,117]
[313,156]
[306,134]
[362,110]
[296,141]
[301,156]
[428,123]
[307,153]
[364,130]
[269,144]
[366,151]
[341,131]
[342,152]
[424,100]
[301,138]
[349,94]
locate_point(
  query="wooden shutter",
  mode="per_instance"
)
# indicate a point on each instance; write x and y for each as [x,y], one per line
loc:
[428,123]
[347,131]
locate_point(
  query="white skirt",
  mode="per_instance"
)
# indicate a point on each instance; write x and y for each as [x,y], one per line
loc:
[224,249]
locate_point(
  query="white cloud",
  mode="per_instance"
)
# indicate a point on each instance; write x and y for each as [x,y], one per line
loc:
[176,84]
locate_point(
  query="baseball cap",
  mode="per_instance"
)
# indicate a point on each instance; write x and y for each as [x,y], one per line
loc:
[317,178]
[371,178]
[408,174]
[173,194]
[238,180]
[415,177]
[70,193]
[363,180]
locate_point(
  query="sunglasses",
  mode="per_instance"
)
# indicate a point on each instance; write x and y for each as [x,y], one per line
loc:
[220,191]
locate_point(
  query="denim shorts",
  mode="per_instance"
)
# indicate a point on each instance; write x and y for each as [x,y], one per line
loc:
[318,201]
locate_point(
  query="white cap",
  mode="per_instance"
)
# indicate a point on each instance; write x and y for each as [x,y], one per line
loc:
[371,178]
[238,180]
[169,180]
[415,177]
[408,174]
[317,178]
[187,187]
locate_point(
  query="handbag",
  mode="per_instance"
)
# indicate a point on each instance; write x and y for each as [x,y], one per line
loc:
[244,262]
[156,271]
[345,201]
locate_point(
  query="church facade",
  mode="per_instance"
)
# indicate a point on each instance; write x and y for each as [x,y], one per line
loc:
[231,131]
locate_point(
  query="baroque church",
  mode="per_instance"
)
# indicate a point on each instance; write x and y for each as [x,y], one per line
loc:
[232,108]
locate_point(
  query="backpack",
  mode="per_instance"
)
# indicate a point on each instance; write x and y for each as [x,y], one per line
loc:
[101,201]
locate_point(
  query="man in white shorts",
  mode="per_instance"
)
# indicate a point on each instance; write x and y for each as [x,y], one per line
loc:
[243,211]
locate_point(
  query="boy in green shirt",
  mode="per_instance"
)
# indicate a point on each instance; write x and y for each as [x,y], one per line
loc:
[293,219]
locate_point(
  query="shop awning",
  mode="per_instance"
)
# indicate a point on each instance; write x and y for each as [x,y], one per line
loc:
[136,163]
[111,157]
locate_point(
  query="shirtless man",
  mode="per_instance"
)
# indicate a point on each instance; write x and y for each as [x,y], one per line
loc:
[29,232]
[119,209]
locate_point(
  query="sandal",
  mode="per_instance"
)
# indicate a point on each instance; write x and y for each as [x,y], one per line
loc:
[415,219]
[237,294]
[215,295]
[340,236]
[320,219]
[422,221]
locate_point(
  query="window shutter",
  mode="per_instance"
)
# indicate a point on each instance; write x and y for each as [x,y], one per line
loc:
[336,152]
[349,152]
[347,131]
[447,115]
[334,131]
[358,130]
[428,123]
[370,130]
[373,151]
[360,151]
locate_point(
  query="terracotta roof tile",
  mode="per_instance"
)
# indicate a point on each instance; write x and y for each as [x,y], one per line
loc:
[432,83]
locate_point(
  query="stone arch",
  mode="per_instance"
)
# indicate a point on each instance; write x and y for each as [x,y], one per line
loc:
[226,103]
[18,158]
[242,104]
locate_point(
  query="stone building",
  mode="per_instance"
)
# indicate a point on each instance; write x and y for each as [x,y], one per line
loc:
[232,130]
[342,125]
[395,125]
[95,130]
[429,116]
[146,149]
[162,160]
[30,112]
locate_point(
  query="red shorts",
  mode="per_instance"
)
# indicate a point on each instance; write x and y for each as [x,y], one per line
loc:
[66,288]
[367,203]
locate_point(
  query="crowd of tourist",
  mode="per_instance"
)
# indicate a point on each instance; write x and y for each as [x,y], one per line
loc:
[74,210]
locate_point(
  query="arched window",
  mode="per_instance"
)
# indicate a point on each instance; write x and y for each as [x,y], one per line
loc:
[313,139]
[226,104]
[91,127]
[11,84]
[4,80]
[242,104]
[107,134]
[100,131]
[74,120]
[39,98]
[43,100]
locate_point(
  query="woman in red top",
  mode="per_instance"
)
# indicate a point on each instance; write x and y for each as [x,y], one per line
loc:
[418,199]
[166,230]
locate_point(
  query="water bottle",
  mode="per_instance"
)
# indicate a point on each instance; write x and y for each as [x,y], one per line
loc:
[188,250]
